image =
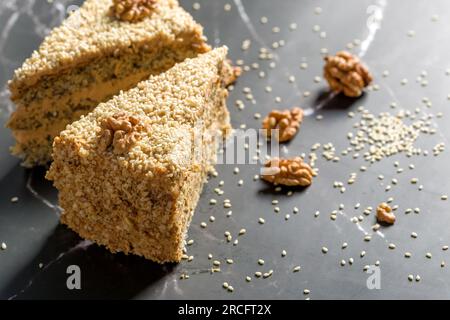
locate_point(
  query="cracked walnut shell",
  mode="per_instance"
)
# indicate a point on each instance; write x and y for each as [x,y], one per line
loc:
[288,172]
[345,73]
[286,121]
[385,214]
[119,131]
[132,10]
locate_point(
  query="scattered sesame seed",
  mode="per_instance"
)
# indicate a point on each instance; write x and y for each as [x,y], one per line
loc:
[15,199]
[324,249]
[261,221]
[3,246]
[296,269]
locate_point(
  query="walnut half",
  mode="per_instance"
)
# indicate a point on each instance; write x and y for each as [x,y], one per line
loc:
[345,73]
[287,121]
[385,214]
[120,131]
[288,172]
[132,10]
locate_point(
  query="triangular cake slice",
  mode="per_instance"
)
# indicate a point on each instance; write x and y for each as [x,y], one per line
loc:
[130,173]
[102,48]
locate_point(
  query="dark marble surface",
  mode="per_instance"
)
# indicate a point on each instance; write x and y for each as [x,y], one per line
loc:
[403,37]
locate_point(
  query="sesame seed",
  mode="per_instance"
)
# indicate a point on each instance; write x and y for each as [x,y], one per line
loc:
[428,255]
[410,277]
[343,263]
[261,221]
[391,246]
[324,249]
[283,253]
[306,291]
[190,242]
[267,274]
[248,279]
[230,261]
[258,274]
[15,199]
[3,246]
[296,269]
[407,255]
[260,262]
[242,232]
[414,235]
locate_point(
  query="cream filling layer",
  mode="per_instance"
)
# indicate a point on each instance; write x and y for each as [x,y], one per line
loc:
[98,92]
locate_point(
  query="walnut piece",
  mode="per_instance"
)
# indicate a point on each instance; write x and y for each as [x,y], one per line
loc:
[286,121]
[384,213]
[346,73]
[288,172]
[120,131]
[132,10]
[230,73]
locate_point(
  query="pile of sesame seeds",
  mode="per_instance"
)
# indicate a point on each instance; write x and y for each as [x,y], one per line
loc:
[385,135]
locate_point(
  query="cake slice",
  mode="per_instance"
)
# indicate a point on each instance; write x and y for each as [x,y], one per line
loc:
[130,173]
[104,47]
